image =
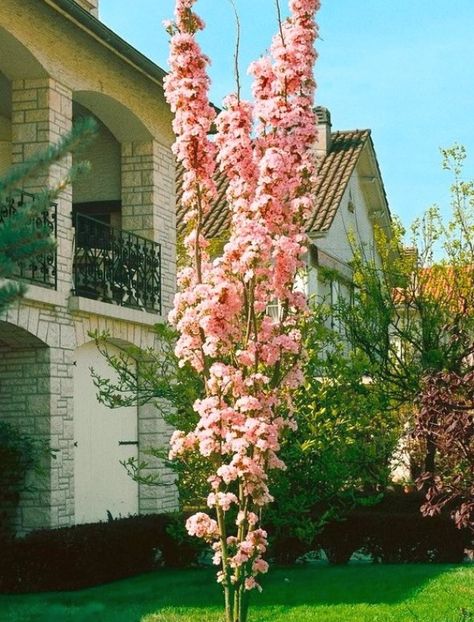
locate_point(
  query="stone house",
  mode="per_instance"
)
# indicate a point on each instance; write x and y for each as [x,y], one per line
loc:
[114,267]
[350,201]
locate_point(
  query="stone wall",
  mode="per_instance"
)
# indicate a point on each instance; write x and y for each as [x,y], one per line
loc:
[36,379]
[148,204]
[41,115]
[36,394]
[25,402]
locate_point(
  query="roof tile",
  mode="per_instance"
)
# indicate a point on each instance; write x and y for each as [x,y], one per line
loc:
[334,171]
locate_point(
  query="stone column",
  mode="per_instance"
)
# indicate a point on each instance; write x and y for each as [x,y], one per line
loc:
[62,431]
[41,114]
[154,432]
[149,210]
[149,205]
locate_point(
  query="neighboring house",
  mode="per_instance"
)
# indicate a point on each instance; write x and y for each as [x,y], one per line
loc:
[349,201]
[114,268]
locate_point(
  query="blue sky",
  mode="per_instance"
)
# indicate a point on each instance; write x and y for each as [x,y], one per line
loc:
[404,68]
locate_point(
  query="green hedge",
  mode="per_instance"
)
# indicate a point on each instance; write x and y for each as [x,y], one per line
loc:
[393,531]
[85,555]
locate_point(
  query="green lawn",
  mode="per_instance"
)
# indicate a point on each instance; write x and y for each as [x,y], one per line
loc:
[364,593]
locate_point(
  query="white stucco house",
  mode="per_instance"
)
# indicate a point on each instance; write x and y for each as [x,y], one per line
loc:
[114,267]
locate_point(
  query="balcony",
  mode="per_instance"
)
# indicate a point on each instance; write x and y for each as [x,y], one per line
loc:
[116,266]
[42,269]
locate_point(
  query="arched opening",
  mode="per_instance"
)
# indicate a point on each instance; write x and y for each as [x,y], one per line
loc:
[16,60]
[97,193]
[25,401]
[116,259]
[16,63]
[103,438]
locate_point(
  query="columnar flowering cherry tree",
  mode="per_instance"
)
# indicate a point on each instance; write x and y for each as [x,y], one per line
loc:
[249,357]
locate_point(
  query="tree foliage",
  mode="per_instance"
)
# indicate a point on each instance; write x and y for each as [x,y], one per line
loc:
[412,316]
[340,455]
[21,238]
[446,418]
[248,358]
[19,455]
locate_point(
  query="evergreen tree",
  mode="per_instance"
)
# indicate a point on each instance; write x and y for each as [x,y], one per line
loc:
[22,236]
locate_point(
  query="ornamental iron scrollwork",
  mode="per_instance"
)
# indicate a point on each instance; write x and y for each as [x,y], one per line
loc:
[116,266]
[42,268]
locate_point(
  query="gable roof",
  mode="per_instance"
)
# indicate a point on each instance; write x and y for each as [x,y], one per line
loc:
[334,172]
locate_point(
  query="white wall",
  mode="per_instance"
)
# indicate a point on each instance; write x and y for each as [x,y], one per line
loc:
[351,223]
[347,223]
[101,482]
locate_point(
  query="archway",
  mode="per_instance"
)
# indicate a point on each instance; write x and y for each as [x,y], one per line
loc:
[16,60]
[16,63]
[25,404]
[103,438]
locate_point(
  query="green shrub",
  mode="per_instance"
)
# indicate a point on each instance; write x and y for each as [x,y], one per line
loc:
[394,531]
[19,454]
[76,557]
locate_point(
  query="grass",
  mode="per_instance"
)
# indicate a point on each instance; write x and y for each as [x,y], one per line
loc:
[364,593]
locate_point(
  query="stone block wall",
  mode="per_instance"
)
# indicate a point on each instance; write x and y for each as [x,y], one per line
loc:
[148,205]
[41,115]
[153,432]
[38,347]
[36,372]
[25,403]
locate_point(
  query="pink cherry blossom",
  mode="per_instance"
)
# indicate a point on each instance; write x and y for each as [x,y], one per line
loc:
[238,314]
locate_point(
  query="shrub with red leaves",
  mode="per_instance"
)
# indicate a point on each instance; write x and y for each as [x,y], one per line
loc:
[445,424]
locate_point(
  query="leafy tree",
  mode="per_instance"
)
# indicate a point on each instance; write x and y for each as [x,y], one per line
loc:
[412,315]
[337,459]
[340,455]
[447,416]
[19,454]
[249,360]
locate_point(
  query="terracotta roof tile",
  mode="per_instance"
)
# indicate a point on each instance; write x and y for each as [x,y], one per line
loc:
[445,284]
[334,173]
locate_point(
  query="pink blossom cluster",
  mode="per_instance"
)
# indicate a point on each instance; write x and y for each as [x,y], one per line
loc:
[187,87]
[202,526]
[244,553]
[249,358]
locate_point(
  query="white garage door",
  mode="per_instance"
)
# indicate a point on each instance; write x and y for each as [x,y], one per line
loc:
[103,437]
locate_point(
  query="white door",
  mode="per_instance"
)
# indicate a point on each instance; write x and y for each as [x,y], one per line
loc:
[103,437]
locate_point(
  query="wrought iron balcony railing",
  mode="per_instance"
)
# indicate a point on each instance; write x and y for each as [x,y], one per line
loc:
[116,266]
[41,269]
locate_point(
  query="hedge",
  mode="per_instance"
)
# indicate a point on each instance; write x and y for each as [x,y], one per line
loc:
[393,531]
[76,557]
